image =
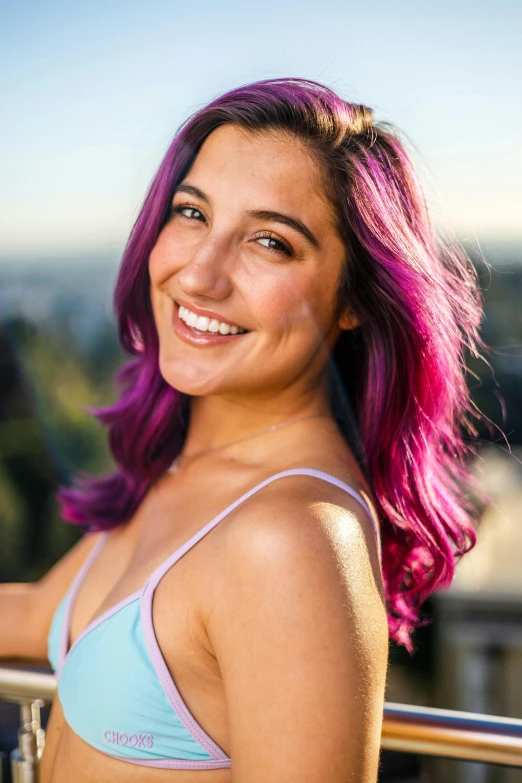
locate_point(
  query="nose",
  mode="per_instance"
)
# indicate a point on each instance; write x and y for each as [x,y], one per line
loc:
[208,272]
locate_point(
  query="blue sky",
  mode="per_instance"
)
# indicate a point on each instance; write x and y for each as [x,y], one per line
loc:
[92,93]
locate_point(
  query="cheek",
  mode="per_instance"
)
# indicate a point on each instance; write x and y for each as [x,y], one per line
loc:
[164,258]
[300,305]
[156,264]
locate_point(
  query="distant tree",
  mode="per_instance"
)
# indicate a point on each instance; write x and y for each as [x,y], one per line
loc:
[46,380]
[24,457]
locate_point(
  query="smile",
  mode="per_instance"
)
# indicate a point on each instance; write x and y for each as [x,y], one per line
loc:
[204,330]
[204,324]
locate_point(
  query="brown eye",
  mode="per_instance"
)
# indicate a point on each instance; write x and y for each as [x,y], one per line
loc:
[192,213]
[275,244]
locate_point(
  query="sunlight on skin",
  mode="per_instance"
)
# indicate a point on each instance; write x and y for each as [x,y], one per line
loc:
[222,251]
[220,262]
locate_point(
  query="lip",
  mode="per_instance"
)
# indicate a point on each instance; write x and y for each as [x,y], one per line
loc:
[200,339]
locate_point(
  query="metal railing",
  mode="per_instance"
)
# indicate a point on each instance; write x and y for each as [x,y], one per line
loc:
[467,736]
[420,730]
[32,691]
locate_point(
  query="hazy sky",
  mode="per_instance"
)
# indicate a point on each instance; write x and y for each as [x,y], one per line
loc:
[92,93]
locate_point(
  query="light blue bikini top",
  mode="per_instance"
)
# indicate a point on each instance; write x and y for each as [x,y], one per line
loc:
[116,691]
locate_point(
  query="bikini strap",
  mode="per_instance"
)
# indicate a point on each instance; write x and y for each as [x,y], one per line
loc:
[73,591]
[147,598]
[162,569]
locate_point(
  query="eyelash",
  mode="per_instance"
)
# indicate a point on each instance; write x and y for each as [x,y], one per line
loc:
[181,207]
[284,246]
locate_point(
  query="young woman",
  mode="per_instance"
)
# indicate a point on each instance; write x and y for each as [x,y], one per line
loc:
[291,478]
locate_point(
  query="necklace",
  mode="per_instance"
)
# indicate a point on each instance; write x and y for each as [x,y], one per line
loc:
[177,462]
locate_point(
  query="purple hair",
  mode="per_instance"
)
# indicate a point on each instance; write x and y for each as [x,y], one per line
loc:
[403,368]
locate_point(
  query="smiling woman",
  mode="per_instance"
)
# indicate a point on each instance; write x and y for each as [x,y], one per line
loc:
[297,336]
[275,287]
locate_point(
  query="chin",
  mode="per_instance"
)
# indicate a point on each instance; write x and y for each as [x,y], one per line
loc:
[189,378]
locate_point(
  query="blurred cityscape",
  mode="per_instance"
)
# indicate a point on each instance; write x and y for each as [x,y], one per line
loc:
[58,355]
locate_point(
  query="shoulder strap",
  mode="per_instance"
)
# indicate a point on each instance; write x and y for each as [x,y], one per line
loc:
[73,591]
[184,548]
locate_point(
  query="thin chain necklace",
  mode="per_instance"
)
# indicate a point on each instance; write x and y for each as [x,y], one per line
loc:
[177,462]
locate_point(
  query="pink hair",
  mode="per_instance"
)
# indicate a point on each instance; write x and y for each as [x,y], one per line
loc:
[402,370]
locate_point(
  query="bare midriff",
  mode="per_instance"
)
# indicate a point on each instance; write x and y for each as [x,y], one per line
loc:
[68,758]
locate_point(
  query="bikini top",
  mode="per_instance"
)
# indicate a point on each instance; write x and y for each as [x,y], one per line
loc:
[115,688]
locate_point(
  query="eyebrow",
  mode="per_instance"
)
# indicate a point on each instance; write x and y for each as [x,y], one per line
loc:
[261,214]
[287,220]
[192,191]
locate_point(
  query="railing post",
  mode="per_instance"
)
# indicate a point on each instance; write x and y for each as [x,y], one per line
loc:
[25,758]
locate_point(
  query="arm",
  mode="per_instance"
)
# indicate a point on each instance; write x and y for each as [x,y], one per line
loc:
[26,610]
[300,635]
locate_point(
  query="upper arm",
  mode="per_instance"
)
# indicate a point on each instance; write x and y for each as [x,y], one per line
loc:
[300,635]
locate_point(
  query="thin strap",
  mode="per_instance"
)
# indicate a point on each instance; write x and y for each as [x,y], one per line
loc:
[73,591]
[169,686]
[162,569]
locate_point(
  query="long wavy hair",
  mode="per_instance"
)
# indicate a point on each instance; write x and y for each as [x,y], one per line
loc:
[402,370]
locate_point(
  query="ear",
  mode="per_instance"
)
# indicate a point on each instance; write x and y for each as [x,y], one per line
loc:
[348,320]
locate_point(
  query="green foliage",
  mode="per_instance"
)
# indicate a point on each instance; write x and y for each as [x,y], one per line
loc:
[46,435]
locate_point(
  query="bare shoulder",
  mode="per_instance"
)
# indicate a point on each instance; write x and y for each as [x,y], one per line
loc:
[301,519]
[306,538]
[298,620]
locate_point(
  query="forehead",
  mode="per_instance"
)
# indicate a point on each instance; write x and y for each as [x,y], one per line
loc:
[261,170]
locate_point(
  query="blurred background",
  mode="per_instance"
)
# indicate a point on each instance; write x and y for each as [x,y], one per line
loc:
[92,94]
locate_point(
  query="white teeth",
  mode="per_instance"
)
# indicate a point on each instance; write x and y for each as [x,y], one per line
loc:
[204,324]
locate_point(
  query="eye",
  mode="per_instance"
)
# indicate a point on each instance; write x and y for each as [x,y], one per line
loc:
[192,213]
[274,243]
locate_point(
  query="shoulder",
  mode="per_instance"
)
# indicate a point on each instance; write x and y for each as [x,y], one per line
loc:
[298,620]
[301,514]
[302,536]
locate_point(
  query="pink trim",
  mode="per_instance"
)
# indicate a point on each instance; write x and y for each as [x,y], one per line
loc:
[175,763]
[162,569]
[219,757]
[167,682]
[105,616]
[165,678]
[73,592]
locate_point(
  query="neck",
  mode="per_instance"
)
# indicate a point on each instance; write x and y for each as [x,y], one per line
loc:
[215,421]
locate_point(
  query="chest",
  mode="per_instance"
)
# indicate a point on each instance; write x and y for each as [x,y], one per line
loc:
[138,612]
[165,523]
[123,567]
